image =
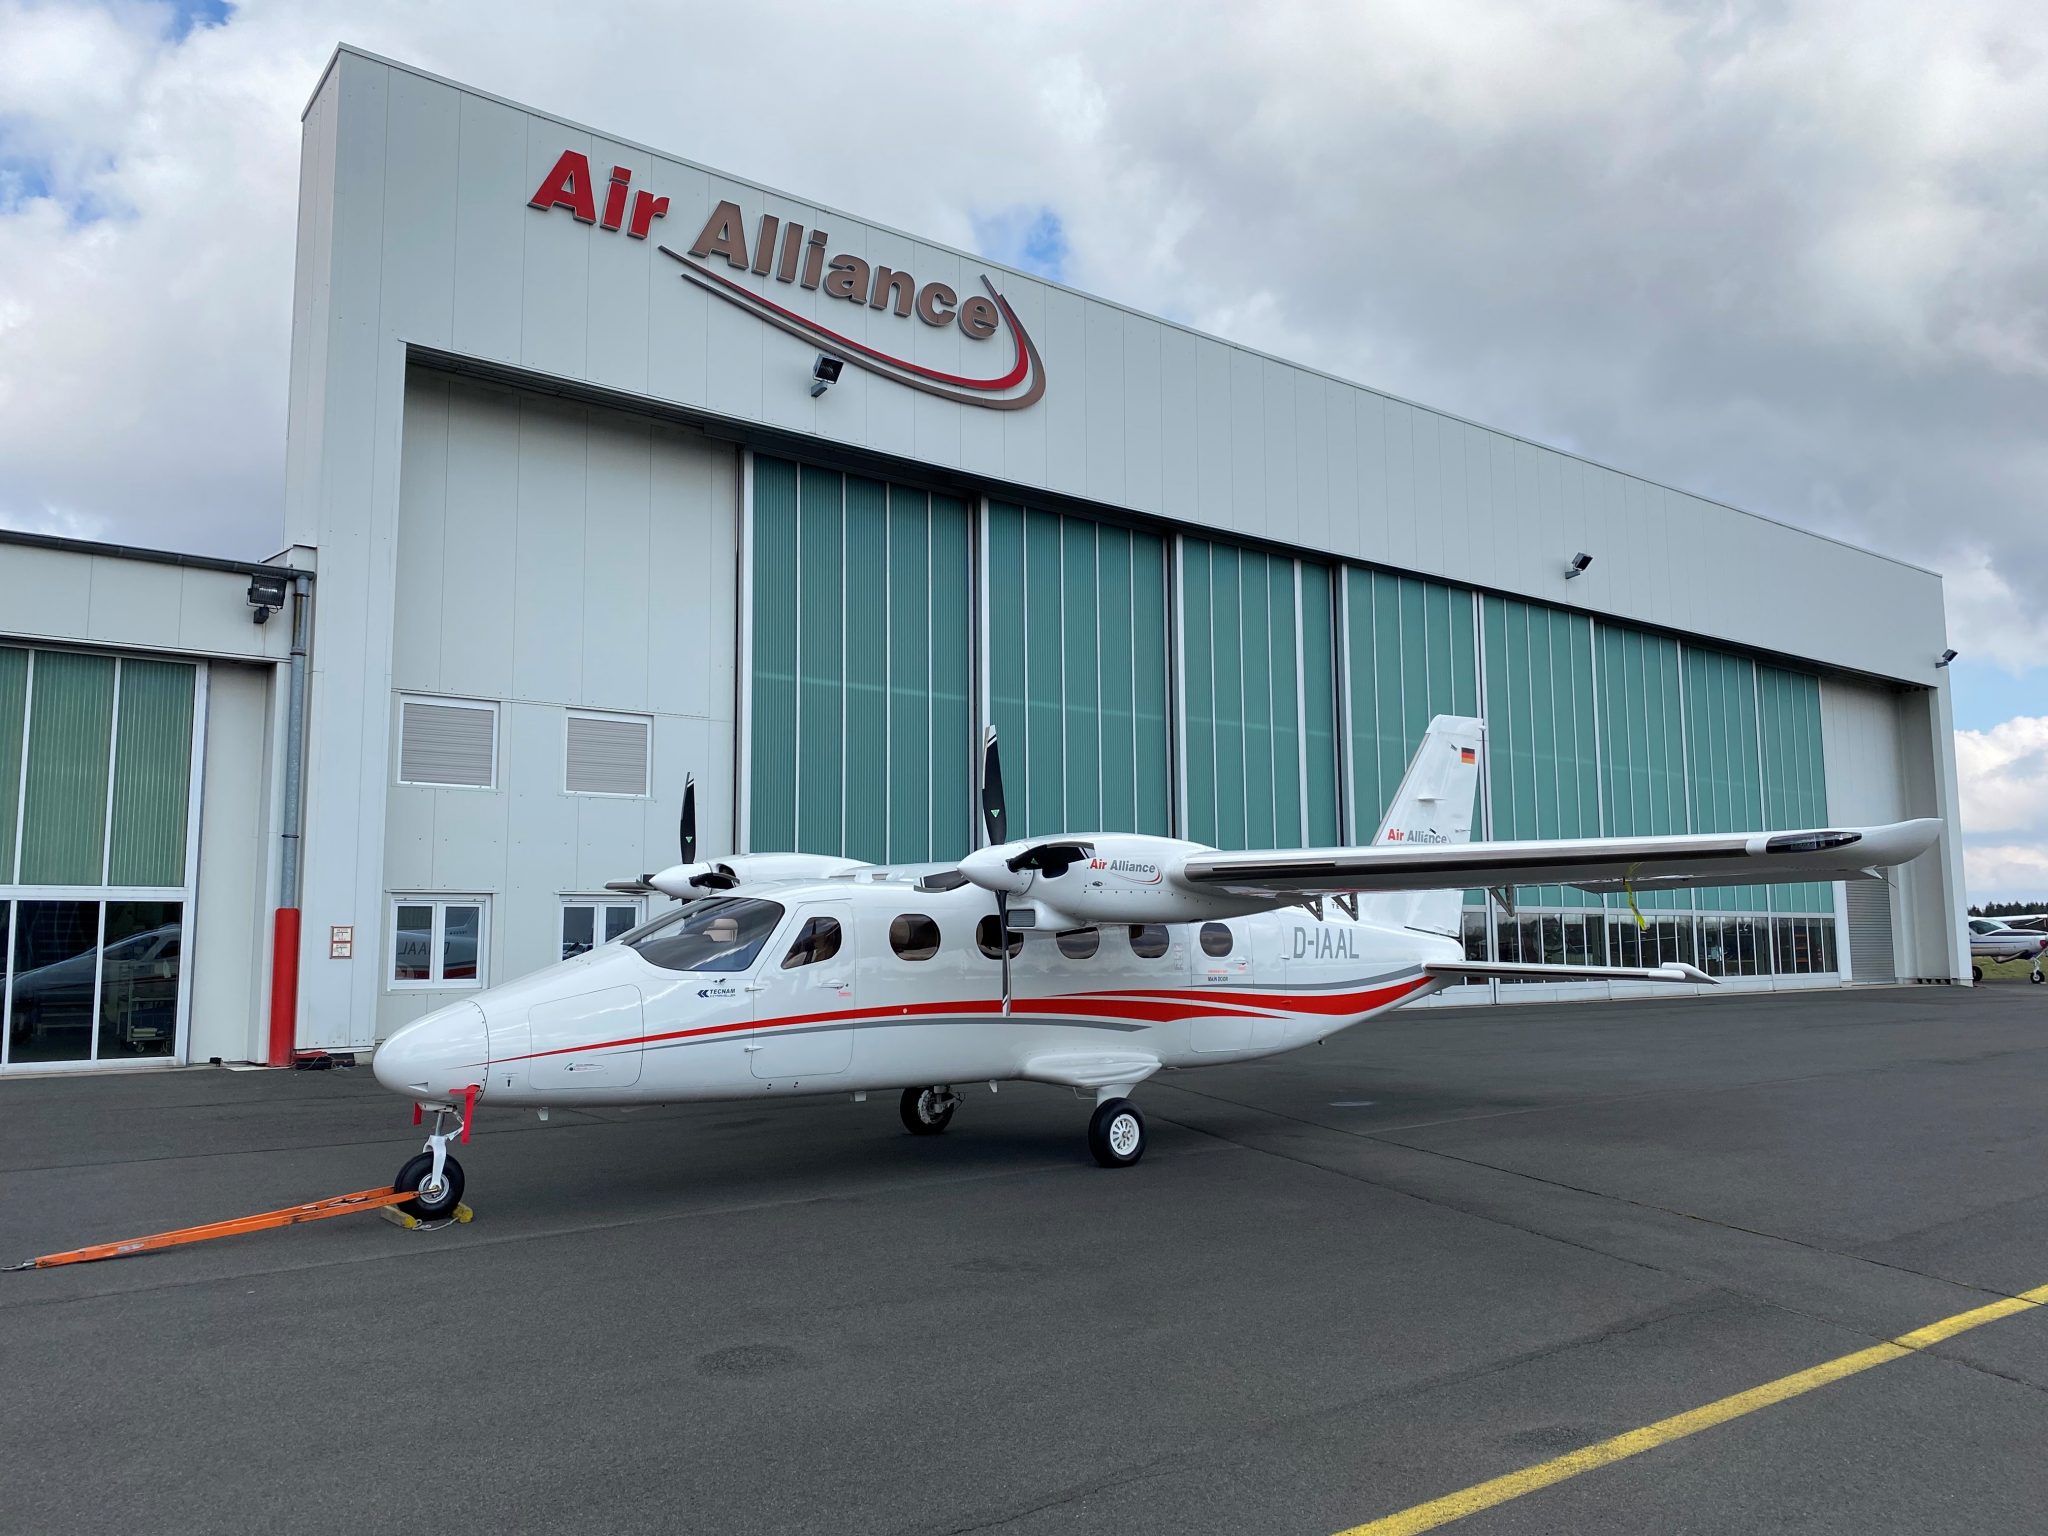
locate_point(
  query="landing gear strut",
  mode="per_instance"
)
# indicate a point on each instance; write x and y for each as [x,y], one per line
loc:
[927,1111]
[433,1174]
[1116,1132]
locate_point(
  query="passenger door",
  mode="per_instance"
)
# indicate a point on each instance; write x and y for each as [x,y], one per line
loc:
[798,993]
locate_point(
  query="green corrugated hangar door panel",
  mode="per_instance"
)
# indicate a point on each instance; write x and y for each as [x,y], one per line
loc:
[1077,644]
[860,740]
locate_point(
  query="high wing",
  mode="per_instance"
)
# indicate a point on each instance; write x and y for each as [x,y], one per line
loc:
[1598,864]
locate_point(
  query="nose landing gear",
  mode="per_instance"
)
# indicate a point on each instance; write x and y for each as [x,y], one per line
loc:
[1116,1131]
[434,1176]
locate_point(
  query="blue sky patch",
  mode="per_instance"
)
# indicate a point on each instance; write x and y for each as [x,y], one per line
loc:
[189,16]
[1030,238]
[1982,695]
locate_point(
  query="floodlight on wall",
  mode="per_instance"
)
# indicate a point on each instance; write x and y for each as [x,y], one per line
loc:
[1578,566]
[825,373]
[266,594]
[1945,658]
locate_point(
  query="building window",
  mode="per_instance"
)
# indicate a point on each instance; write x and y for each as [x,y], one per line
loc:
[438,941]
[590,921]
[913,936]
[448,743]
[606,754]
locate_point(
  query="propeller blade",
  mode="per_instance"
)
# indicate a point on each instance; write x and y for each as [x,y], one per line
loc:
[1003,939]
[993,820]
[689,823]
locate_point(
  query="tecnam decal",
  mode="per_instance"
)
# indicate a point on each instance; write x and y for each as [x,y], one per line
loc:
[781,252]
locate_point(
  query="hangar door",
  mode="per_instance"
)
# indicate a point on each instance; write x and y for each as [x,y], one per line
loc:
[98,821]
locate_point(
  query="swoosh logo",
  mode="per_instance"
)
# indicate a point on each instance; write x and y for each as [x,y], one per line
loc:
[1027,369]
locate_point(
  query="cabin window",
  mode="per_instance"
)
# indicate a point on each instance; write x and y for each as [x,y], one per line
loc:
[1215,939]
[1080,943]
[720,933]
[1148,940]
[986,939]
[914,937]
[817,940]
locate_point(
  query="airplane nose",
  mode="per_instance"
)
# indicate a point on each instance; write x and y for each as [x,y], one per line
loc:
[440,1054]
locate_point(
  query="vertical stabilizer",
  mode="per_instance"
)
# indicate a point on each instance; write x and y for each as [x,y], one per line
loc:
[1434,804]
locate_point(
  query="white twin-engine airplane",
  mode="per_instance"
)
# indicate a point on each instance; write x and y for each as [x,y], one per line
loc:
[1089,962]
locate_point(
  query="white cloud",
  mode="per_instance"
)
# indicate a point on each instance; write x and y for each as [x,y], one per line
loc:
[2002,776]
[1792,257]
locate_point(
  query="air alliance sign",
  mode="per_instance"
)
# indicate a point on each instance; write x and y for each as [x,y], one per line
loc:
[776,252]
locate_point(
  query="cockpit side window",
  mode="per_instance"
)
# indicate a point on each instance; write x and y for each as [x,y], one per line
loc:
[817,940]
[723,933]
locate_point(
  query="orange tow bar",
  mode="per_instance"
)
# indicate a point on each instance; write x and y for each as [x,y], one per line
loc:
[290,1216]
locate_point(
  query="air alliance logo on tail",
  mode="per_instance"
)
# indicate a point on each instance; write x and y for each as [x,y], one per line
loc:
[1415,835]
[775,251]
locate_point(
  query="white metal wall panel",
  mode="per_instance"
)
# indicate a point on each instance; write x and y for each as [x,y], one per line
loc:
[541,547]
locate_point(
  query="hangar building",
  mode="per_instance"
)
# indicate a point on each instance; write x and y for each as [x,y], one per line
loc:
[583,524]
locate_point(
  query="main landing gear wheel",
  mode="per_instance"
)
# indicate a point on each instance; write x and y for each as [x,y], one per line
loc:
[1976,973]
[927,1111]
[430,1204]
[2034,976]
[1116,1133]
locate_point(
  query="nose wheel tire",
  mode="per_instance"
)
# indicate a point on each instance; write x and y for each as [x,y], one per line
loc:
[927,1111]
[2034,977]
[1116,1133]
[430,1204]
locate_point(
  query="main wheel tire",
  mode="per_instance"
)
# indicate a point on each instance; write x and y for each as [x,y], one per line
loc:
[2034,977]
[1976,973]
[440,1203]
[927,1111]
[1116,1133]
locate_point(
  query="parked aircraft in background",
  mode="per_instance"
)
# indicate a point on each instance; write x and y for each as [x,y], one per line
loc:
[1994,938]
[1087,961]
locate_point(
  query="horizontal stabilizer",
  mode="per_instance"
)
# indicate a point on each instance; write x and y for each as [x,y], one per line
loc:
[1513,971]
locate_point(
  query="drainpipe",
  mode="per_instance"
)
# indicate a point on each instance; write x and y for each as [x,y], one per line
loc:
[284,937]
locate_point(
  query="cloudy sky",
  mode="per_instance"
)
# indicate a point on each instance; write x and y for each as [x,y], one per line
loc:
[1793,256]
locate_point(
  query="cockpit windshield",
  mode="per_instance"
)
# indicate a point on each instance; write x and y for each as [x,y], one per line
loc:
[721,933]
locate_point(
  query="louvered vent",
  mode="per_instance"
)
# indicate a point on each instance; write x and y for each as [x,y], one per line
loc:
[447,744]
[607,755]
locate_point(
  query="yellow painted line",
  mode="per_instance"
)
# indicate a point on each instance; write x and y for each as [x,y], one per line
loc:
[1481,1496]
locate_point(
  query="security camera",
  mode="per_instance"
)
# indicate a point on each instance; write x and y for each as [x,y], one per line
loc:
[1578,566]
[1946,658]
[825,373]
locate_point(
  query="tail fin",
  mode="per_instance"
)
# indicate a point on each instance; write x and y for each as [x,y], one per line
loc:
[1433,805]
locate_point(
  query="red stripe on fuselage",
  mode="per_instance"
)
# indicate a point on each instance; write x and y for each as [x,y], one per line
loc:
[1153,1007]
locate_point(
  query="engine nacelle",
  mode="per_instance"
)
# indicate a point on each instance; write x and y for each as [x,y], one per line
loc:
[1119,877]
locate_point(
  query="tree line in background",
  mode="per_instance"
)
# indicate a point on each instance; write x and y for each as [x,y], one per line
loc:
[2008,908]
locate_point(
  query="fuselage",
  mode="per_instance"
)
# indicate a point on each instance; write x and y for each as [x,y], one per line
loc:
[1993,940]
[875,980]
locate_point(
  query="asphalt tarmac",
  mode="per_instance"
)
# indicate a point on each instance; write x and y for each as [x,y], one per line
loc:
[1342,1283]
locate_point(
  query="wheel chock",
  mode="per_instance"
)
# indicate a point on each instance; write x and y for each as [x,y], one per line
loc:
[398,1218]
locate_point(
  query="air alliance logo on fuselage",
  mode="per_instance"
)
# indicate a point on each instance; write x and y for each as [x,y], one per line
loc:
[1130,870]
[783,253]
